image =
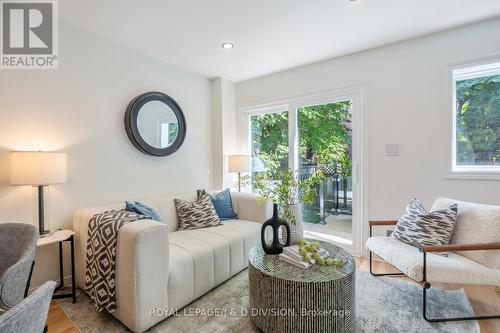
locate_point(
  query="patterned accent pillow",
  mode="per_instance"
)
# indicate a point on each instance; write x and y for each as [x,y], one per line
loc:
[407,221]
[198,214]
[417,227]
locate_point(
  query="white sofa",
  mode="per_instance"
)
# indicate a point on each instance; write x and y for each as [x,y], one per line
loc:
[160,267]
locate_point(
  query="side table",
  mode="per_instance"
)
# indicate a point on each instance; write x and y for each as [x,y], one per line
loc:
[61,236]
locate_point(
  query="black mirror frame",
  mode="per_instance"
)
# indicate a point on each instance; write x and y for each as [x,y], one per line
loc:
[133,131]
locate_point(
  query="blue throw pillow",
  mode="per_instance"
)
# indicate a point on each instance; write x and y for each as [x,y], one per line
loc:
[223,205]
[139,208]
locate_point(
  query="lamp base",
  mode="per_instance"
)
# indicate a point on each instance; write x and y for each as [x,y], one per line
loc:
[41,214]
[45,233]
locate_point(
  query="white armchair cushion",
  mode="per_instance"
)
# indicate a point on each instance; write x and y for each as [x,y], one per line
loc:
[452,269]
[476,224]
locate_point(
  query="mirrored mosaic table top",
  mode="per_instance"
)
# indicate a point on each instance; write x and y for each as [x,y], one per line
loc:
[272,265]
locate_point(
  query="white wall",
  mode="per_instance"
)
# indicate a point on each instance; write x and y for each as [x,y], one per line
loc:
[217,138]
[403,88]
[79,109]
[224,130]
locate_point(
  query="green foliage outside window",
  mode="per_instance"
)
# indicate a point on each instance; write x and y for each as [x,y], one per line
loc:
[324,133]
[324,136]
[478,121]
[270,139]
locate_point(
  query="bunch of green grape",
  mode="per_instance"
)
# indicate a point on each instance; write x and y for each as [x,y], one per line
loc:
[309,252]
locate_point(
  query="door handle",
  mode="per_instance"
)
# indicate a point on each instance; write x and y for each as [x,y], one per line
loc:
[356,172]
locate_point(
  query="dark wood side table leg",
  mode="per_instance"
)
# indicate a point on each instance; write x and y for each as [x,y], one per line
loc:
[71,239]
[61,274]
[73,282]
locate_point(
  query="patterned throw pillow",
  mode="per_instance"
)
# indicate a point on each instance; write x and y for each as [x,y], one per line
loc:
[198,214]
[417,227]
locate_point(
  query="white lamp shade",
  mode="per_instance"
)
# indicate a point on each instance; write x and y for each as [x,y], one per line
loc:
[37,168]
[239,163]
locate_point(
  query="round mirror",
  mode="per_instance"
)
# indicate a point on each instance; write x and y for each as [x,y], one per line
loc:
[155,124]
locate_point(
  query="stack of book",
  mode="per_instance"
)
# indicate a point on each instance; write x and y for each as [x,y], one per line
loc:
[292,256]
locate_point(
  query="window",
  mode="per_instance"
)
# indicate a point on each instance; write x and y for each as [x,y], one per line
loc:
[269,140]
[476,119]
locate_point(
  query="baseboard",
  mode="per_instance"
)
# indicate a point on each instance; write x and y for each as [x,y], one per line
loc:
[67,282]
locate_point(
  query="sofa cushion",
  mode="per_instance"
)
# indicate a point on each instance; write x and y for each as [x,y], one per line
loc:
[452,269]
[201,259]
[476,224]
[200,256]
[219,248]
[197,214]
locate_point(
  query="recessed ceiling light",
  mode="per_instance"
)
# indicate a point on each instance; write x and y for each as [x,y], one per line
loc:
[226,45]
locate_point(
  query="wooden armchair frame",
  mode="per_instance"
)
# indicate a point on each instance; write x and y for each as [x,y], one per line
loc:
[424,283]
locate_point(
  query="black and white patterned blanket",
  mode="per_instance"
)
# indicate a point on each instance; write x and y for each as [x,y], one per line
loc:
[101,256]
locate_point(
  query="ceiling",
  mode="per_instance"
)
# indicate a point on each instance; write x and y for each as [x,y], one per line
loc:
[269,35]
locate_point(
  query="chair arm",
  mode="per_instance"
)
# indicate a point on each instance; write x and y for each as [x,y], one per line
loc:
[248,207]
[388,222]
[460,247]
[31,313]
[380,223]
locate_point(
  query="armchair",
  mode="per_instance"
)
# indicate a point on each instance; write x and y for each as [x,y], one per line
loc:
[468,262]
[30,315]
[17,248]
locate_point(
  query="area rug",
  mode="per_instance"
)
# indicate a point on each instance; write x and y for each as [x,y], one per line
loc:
[382,305]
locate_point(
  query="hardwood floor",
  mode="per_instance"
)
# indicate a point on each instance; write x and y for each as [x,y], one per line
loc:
[483,299]
[58,321]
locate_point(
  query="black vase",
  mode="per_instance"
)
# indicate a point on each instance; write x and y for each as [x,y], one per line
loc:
[274,222]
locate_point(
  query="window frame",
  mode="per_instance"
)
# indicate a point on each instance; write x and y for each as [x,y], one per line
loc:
[455,72]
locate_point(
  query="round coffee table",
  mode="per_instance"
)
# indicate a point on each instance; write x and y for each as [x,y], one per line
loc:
[286,298]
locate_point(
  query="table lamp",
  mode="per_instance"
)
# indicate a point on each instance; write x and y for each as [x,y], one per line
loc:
[239,164]
[38,169]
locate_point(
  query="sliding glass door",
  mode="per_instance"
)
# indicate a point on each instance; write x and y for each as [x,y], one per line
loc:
[324,143]
[317,134]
